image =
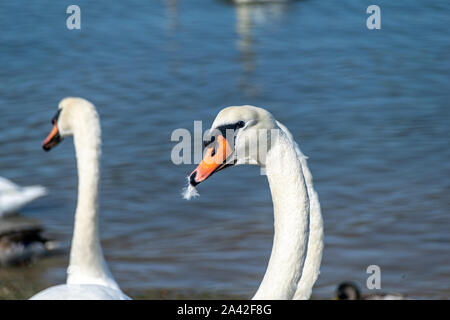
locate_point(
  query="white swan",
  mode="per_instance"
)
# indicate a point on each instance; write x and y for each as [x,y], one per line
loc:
[251,135]
[14,197]
[88,274]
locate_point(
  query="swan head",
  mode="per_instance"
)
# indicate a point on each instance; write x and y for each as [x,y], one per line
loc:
[238,135]
[71,111]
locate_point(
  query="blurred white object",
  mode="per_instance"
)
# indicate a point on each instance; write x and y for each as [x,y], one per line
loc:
[88,275]
[258,1]
[13,197]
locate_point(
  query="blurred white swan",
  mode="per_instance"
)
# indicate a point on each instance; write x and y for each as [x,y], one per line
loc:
[88,274]
[14,197]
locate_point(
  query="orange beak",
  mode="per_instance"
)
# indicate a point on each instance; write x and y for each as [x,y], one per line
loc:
[53,138]
[212,161]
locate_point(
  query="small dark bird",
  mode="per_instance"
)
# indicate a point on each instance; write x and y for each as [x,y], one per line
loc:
[350,291]
[22,242]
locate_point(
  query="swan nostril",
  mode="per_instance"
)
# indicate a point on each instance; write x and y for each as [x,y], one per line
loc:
[192,179]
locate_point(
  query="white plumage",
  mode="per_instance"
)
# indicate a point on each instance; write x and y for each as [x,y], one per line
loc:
[80,292]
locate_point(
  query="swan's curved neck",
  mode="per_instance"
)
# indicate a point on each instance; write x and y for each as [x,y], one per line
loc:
[87,264]
[291,221]
[311,267]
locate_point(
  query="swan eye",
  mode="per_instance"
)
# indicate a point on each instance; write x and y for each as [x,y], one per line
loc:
[233,126]
[223,130]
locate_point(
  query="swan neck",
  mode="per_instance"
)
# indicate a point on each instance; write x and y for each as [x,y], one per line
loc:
[88,166]
[291,221]
[87,264]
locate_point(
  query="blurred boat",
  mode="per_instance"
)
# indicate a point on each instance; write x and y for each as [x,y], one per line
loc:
[21,241]
[14,197]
